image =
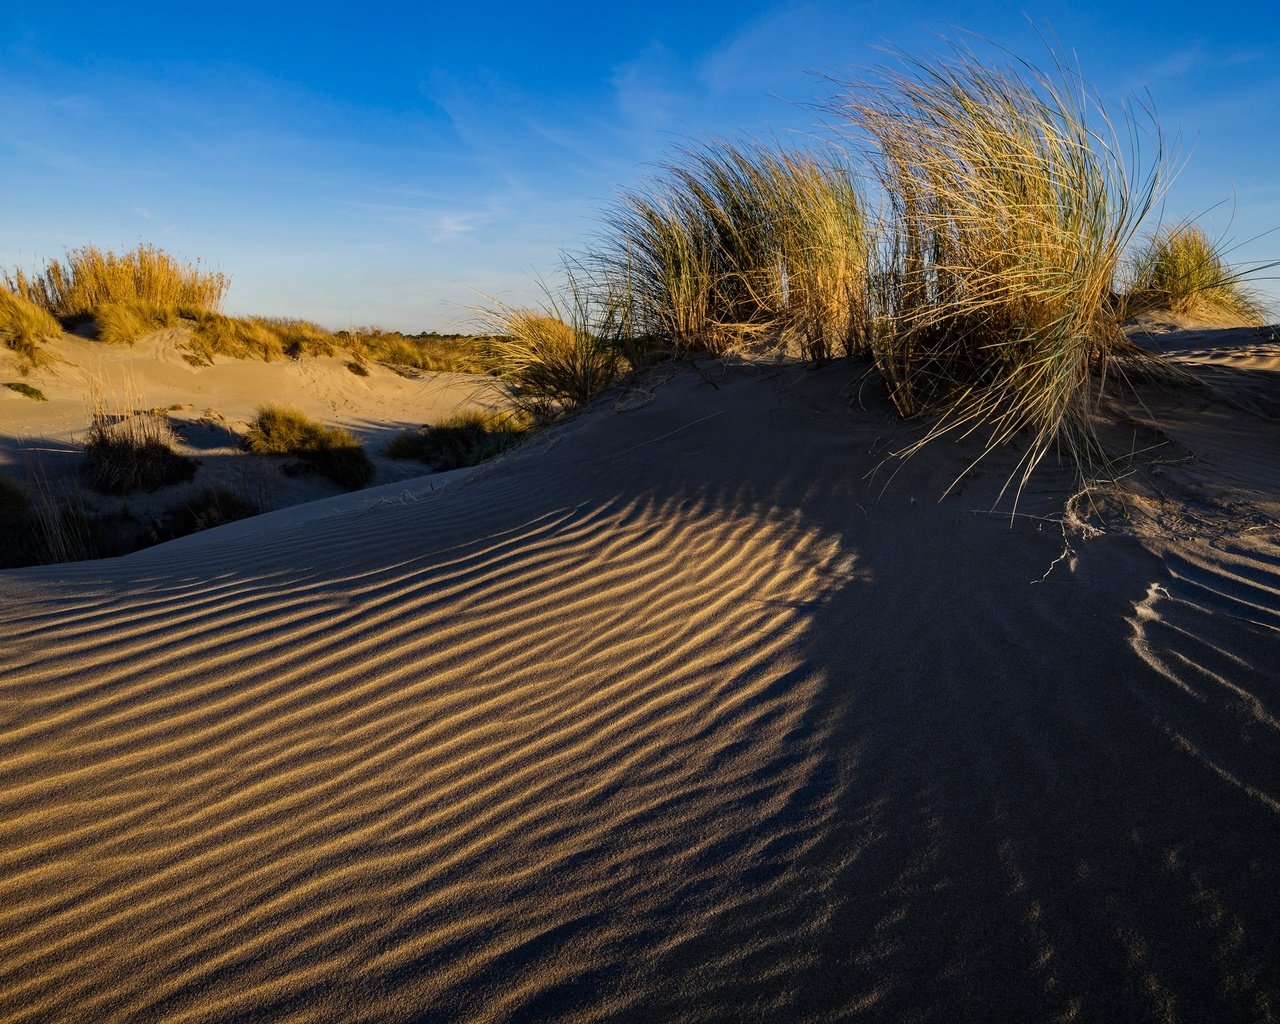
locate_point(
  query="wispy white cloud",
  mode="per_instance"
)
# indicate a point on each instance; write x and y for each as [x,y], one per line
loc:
[436,223]
[1198,59]
[778,51]
[651,90]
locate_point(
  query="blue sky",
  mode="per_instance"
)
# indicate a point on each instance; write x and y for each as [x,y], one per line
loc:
[385,166]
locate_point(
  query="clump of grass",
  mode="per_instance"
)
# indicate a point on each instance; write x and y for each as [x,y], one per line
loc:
[739,241]
[91,278]
[23,388]
[299,337]
[207,508]
[1010,206]
[331,451]
[1182,271]
[123,323]
[436,353]
[253,337]
[214,334]
[133,452]
[557,357]
[132,294]
[358,368]
[464,439]
[24,325]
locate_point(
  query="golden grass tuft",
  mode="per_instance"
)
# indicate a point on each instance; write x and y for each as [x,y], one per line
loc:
[1011,204]
[435,353]
[737,242]
[331,451]
[1182,271]
[24,325]
[256,337]
[131,448]
[130,295]
[558,357]
[123,323]
[91,278]
[463,439]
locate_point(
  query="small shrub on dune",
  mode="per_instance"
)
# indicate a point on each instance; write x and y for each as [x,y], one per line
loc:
[133,452]
[331,451]
[1182,271]
[24,325]
[463,439]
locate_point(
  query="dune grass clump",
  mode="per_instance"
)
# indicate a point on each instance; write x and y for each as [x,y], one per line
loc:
[91,278]
[300,337]
[1010,207]
[430,351]
[254,337]
[133,452]
[127,296]
[213,334]
[123,323]
[739,241]
[1182,271]
[556,358]
[332,452]
[207,508]
[24,325]
[464,439]
[25,389]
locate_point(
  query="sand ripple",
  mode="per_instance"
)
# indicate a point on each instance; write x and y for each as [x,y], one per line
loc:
[653,725]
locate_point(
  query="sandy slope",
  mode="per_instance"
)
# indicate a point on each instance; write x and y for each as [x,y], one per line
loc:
[675,714]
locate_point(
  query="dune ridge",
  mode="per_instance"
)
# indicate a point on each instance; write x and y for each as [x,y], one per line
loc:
[684,712]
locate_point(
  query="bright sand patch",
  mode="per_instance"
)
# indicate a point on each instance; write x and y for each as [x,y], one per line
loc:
[674,714]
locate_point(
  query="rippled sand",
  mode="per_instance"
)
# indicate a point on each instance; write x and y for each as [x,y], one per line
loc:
[676,714]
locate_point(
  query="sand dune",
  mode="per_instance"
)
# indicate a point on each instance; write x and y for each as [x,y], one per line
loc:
[208,407]
[685,711]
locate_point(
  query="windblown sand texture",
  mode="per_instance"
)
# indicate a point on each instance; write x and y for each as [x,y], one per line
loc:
[678,713]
